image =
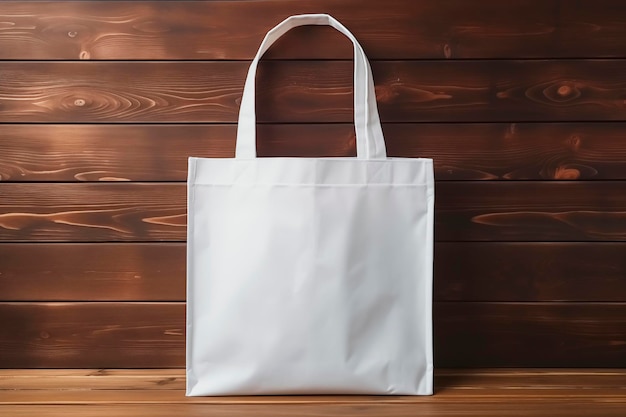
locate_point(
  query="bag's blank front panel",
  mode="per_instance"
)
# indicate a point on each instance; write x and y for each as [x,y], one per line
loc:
[519,103]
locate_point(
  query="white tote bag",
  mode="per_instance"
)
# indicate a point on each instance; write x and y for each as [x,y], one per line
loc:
[310,275]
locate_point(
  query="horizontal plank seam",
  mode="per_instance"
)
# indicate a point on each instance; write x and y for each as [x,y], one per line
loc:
[472,181]
[278,123]
[304,124]
[179,302]
[573,58]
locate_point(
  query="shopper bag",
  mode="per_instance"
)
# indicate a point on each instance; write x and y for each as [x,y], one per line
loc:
[310,275]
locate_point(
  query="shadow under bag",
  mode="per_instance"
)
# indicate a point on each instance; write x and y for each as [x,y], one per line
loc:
[310,275]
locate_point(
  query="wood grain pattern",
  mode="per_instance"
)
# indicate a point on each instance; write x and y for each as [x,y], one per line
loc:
[464,211]
[531,211]
[485,91]
[510,408]
[530,334]
[313,91]
[93,212]
[75,335]
[108,152]
[515,151]
[473,151]
[403,29]
[165,397]
[537,271]
[151,335]
[92,272]
[98,379]
[449,383]
[463,272]
[521,103]
[457,391]
[527,378]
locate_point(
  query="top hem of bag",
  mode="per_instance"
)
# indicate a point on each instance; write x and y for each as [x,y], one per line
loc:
[297,158]
[304,184]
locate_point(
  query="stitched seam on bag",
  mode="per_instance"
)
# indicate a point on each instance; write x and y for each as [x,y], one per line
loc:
[311,185]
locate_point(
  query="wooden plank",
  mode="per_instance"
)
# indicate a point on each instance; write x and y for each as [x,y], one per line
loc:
[515,151]
[108,152]
[448,383]
[530,334]
[81,335]
[150,335]
[528,378]
[472,151]
[92,272]
[477,271]
[536,389]
[313,91]
[484,271]
[469,392]
[511,408]
[93,212]
[164,397]
[465,211]
[402,29]
[530,211]
[100,379]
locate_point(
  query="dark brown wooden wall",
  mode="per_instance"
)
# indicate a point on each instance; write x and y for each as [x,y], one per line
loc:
[521,103]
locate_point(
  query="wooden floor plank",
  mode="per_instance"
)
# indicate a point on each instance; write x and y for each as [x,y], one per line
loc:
[92,379]
[447,381]
[469,393]
[506,379]
[509,408]
[442,396]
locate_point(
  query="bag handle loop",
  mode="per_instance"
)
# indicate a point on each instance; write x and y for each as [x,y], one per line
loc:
[369,135]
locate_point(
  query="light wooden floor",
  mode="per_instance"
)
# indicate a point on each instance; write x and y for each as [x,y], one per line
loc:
[160,393]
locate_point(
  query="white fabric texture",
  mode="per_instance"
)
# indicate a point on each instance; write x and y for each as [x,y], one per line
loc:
[310,275]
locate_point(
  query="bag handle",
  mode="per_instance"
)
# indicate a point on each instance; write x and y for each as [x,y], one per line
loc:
[369,135]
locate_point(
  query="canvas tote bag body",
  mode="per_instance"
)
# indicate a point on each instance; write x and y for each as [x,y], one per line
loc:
[310,275]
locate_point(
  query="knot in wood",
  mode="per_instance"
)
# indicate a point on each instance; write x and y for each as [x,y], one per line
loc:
[561,92]
[566,173]
[79,102]
[564,90]
[72,33]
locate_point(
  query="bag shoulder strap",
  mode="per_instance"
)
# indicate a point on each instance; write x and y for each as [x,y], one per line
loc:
[369,136]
